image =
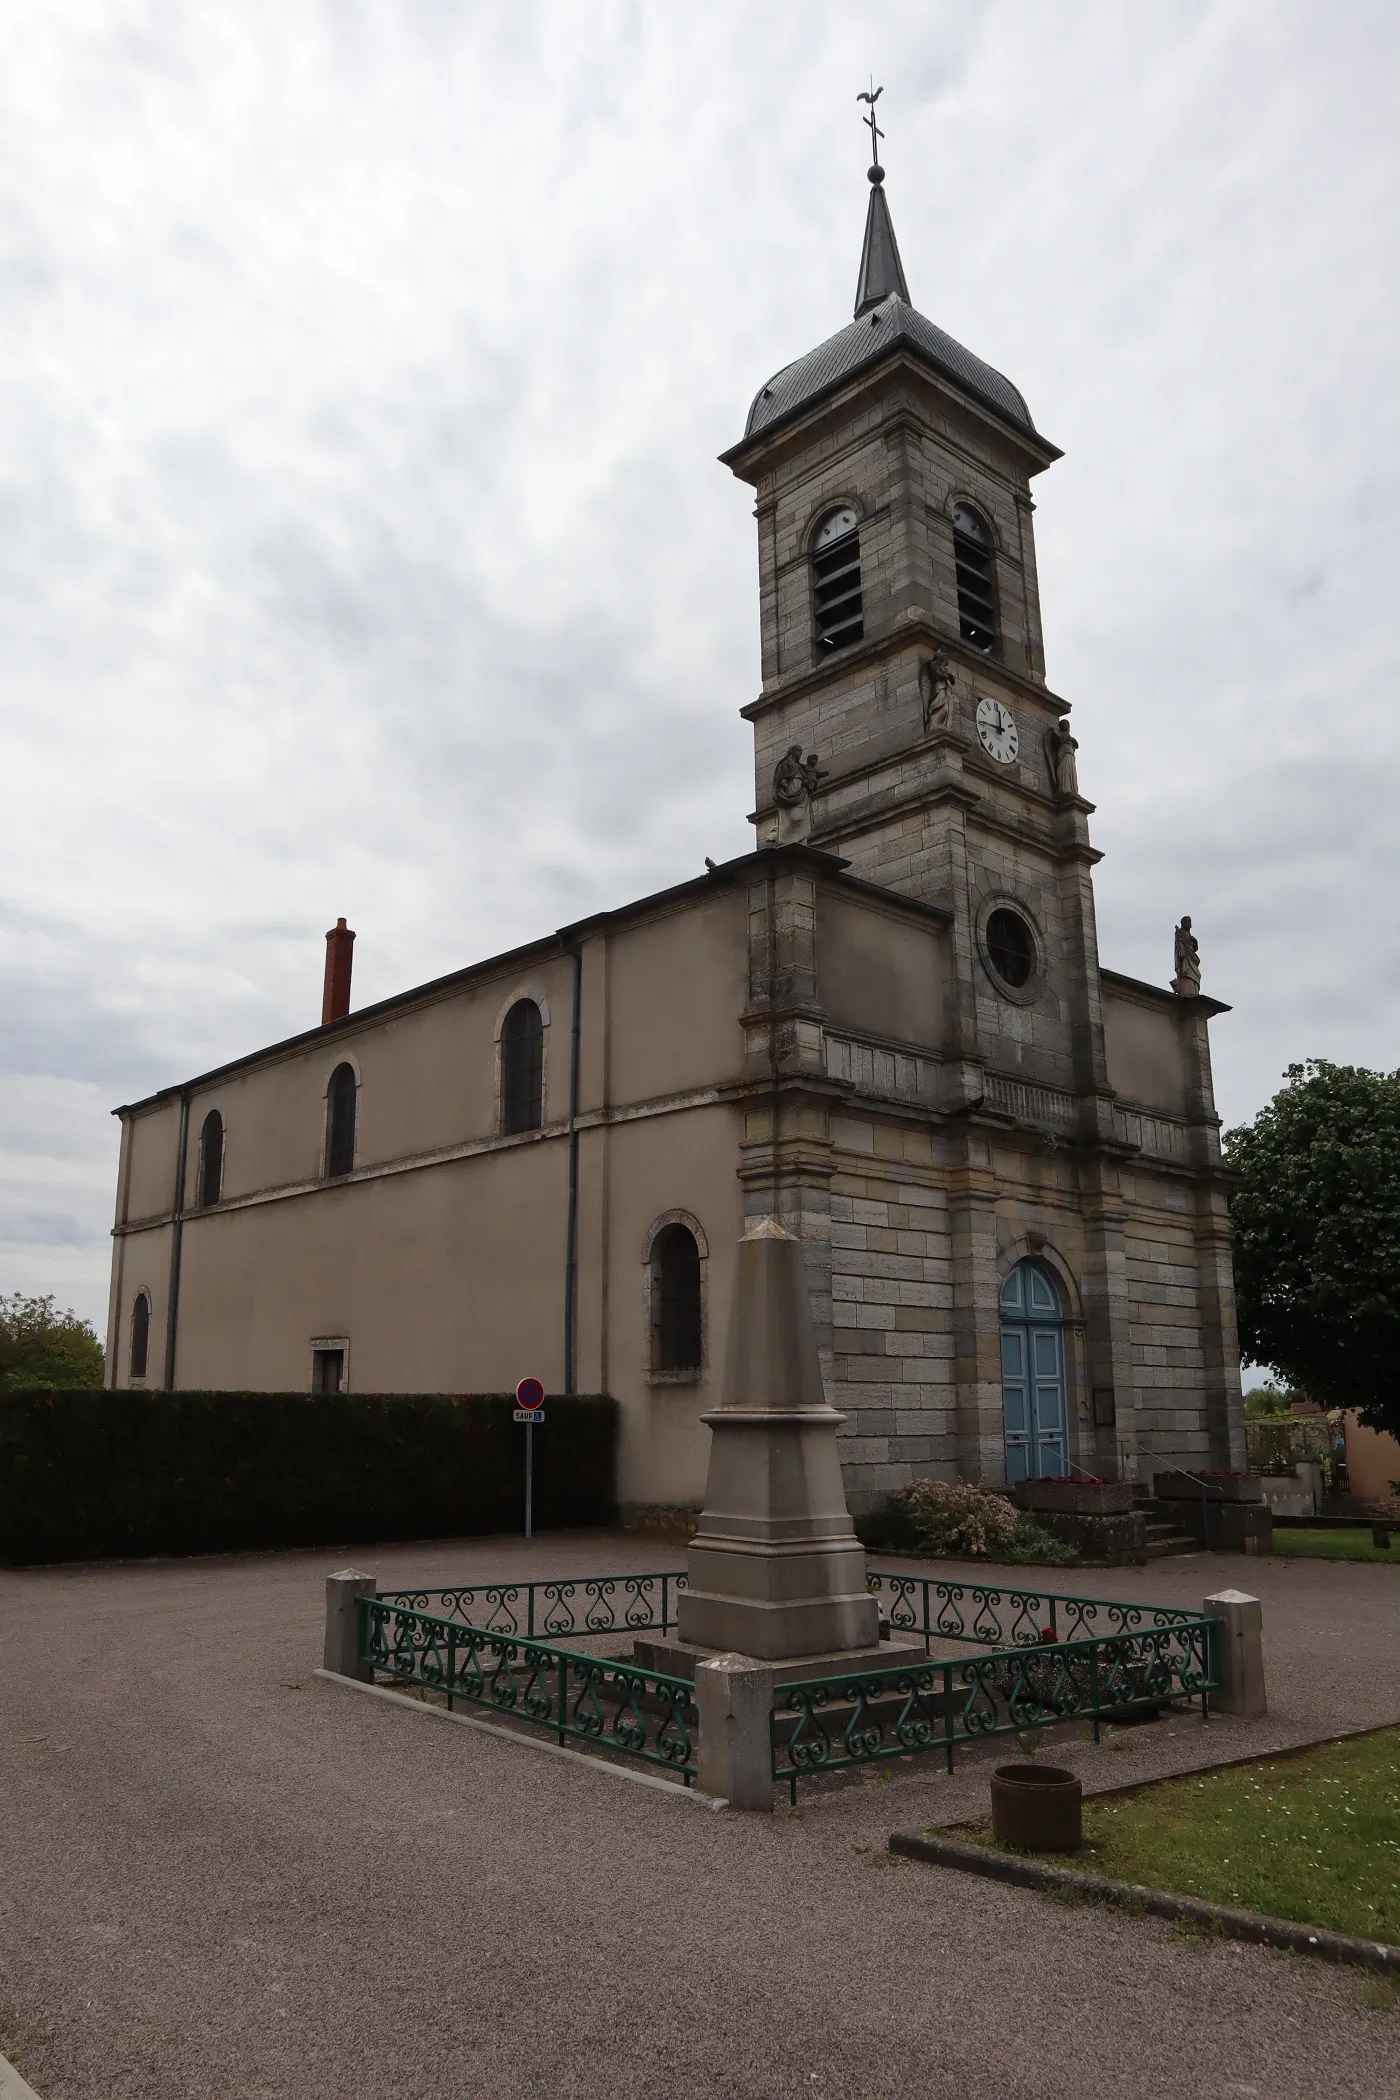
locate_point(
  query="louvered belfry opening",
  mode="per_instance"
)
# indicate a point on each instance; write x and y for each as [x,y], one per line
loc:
[675,1270]
[522,1068]
[836,598]
[972,552]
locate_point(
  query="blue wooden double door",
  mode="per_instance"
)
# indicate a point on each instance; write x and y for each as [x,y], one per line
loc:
[1033,1374]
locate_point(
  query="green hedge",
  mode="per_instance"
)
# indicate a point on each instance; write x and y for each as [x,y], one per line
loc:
[90,1475]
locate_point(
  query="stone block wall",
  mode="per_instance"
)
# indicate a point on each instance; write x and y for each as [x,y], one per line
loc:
[915,1271]
[892,1319]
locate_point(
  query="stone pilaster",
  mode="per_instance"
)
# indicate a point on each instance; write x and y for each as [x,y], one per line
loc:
[1220,1347]
[1108,1330]
[972,1207]
[1215,1287]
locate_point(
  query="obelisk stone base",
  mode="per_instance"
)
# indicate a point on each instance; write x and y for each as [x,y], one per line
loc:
[775,1570]
[675,1658]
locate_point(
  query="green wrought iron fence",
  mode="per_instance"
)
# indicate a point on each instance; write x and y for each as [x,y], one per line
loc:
[974,1611]
[576,1604]
[1054,1657]
[824,1724]
[953,1610]
[612,1706]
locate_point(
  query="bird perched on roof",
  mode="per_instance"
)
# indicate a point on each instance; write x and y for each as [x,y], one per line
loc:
[712,865]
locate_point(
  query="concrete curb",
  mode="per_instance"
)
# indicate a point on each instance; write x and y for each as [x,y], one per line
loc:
[521,1741]
[1155,1903]
[12,2086]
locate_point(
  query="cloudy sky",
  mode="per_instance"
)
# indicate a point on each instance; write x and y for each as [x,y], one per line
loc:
[363,548]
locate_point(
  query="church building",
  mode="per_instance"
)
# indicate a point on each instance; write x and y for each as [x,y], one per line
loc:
[887,1026]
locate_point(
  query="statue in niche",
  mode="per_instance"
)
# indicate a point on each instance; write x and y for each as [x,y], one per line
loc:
[795,781]
[1060,747]
[936,677]
[1187,981]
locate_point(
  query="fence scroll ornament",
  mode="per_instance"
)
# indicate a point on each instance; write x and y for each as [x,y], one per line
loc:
[831,1723]
[609,1705]
[1045,1657]
[582,1604]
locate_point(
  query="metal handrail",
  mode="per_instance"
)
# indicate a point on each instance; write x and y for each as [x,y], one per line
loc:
[1168,1466]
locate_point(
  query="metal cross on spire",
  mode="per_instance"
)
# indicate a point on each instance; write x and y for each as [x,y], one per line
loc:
[875,132]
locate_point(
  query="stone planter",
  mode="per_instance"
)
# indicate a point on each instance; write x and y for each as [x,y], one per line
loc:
[1175,1487]
[1074,1498]
[1287,1497]
[1038,1808]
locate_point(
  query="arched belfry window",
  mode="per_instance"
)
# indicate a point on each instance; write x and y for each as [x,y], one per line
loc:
[140,1334]
[340,1129]
[972,552]
[675,1300]
[211,1159]
[522,1068]
[836,598]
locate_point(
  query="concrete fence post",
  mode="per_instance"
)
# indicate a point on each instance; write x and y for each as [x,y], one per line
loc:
[1241,1650]
[733,1702]
[342,1631]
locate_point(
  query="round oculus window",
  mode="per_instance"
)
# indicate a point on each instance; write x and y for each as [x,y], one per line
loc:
[1010,948]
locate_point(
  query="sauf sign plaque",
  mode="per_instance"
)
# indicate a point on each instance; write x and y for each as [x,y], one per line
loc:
[529,1409]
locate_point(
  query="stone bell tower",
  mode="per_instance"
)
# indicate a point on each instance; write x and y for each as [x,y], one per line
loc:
[905,725]
[904,720]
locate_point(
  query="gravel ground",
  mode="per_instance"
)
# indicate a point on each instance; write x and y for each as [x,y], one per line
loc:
[220,1876]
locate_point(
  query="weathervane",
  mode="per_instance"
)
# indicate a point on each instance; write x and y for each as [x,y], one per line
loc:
[876,171]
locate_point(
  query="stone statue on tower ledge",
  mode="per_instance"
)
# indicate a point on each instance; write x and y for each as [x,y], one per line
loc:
[1187,981]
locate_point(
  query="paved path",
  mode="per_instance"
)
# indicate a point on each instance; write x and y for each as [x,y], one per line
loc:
[220,1877]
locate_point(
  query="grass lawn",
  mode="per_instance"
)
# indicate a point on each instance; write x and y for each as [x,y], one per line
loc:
[1336,1545]
[1314,1838]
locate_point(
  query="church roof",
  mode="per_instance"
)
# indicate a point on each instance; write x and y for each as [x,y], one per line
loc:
[885,321]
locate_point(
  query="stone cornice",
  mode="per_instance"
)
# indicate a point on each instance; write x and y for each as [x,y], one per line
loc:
[918,628]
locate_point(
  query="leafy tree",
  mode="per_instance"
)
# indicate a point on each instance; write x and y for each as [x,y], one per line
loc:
[1268,1403]
[41,1347]
[1316,1219]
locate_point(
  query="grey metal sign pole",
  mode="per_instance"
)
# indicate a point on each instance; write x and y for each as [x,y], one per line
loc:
[529,1395]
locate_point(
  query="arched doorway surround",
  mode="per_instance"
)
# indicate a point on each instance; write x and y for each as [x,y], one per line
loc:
[1033,1374]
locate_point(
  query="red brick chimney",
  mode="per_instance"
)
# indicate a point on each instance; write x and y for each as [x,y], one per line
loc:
[340,954]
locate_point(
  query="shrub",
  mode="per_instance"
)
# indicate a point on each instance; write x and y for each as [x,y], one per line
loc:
[954,1517]
[957,1520]
[87,1475]
[1034,1545]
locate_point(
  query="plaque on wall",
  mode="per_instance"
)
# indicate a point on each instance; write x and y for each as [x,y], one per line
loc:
[1105,1414]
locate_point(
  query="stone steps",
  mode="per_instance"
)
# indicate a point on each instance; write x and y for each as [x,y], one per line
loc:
[1163,1537]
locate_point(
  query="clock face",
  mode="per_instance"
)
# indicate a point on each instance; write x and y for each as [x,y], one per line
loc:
[996,730]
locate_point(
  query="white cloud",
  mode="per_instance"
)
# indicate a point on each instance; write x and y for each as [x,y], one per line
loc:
[364,548]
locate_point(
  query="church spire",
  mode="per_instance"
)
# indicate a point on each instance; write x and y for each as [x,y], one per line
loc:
[881,271]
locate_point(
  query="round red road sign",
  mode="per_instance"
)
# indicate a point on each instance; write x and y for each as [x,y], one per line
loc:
[529,1393]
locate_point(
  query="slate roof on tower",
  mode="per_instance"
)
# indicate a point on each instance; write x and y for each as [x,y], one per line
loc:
[885,321]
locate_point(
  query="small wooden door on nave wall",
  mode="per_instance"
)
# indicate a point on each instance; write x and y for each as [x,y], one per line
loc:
[1033,1374]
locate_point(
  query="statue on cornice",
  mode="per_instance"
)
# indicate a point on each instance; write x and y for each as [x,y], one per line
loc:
[936,676]
[1060,747]
[1187,981]
[795,781]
